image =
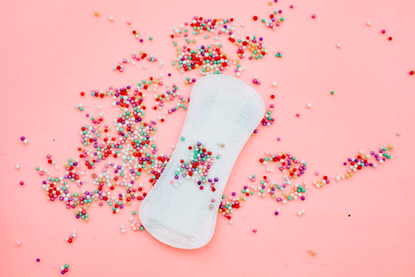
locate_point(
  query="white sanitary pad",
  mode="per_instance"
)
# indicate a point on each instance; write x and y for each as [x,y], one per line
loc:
[222,110]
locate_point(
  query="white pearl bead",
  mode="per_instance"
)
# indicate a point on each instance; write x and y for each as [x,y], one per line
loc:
[338,45]
[18,243]
[25,141]
[17,166]
[274,84]
[111,18]
[308,105]
[368,23]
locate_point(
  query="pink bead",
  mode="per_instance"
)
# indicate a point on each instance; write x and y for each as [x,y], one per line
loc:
[383,31]
[313,16]
[171,181]
[411,72]
[213,200]
[297,114]
[201,187]
[317,173]
[128,22]
[254,230]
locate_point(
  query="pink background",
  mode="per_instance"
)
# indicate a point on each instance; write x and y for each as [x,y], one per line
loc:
[53,50]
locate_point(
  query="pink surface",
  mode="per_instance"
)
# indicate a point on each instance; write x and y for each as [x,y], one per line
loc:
[52,51]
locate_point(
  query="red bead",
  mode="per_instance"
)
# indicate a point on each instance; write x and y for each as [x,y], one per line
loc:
[82,93]
[255,18]
[390,38]
[272,96]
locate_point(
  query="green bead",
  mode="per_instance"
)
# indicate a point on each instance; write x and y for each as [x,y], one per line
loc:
[332,92]
[150,38]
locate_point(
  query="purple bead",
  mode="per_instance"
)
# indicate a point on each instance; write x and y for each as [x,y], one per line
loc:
[276,213]
[22,138]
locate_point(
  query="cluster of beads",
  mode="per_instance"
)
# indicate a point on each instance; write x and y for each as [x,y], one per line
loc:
[50,161]
[40,169]
[137,35]
[199,164]
[79,107]
[287,162]
[238,68]
[252,177]
[71,237]
[155,82]
[64,268]
[200,26]
[24,140]
[226,207]
[256,81]
[273,22]
[363,161]
[131,141]
[321,183]
[209,58]
[268,120]
[166,96]
[278,55]
[136,57]
[189,81]
[122,229]
[254,45]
